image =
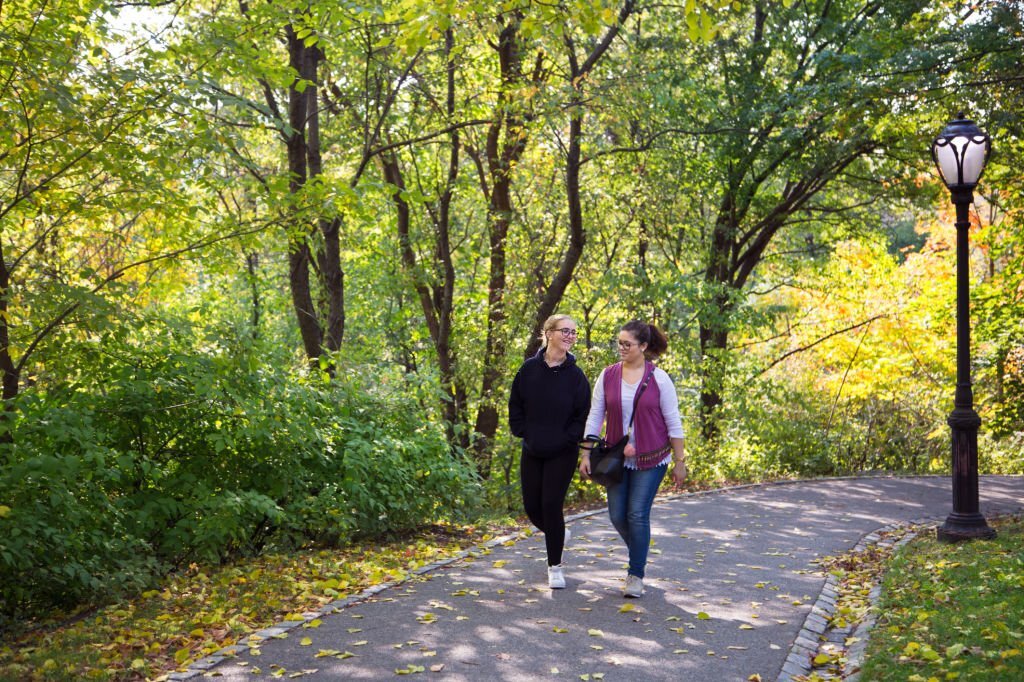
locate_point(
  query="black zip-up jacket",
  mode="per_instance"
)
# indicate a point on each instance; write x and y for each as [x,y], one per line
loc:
[548,407]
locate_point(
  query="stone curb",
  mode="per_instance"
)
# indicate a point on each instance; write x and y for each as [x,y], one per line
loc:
[817,636]
[205,664]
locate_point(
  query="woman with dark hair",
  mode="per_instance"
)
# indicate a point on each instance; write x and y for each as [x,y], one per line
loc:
[655,439]
[547,408]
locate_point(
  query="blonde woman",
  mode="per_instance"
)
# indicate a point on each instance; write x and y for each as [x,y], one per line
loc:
[548,409]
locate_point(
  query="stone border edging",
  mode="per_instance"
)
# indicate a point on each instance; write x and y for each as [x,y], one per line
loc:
[816,633]
[203,665]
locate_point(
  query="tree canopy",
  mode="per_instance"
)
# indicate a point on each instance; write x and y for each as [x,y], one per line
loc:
[267,268]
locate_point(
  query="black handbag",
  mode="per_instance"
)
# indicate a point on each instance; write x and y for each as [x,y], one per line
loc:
[608,460]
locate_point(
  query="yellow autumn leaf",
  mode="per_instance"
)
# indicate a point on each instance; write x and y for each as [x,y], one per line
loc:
[305,641]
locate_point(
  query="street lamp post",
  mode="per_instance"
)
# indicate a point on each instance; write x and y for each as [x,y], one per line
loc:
[960,152]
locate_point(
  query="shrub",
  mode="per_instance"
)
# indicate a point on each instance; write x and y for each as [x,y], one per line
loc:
[163,457]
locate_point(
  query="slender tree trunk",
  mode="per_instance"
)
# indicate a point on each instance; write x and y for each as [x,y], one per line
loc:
[455,403]
[436,295]
[713,340]
[251,265]
[502,156]
[577,77]
[577,234]
[11,374]
[435,301]
[332,277]
[494,347]
[299,254]
[714,318]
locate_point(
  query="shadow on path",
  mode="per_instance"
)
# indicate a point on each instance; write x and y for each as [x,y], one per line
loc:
[729,582]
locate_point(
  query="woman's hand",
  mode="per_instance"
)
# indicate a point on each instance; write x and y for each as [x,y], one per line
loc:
[584,466]
[679,472]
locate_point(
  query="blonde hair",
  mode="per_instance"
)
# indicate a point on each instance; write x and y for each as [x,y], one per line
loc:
[552,323]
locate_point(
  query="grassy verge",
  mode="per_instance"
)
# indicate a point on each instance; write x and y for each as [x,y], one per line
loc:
[952,612]
[203,609]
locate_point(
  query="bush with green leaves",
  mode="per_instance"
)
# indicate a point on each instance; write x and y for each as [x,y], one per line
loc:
[164,456]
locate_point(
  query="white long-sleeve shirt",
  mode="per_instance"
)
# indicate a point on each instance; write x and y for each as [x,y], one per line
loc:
[669,409]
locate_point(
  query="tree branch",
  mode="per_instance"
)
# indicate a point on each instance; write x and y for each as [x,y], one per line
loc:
[118,273]
[822,339]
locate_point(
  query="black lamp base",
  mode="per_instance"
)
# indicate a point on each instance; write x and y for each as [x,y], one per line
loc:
[961,527]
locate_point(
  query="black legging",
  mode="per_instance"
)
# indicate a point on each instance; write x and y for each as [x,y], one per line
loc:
[545,483]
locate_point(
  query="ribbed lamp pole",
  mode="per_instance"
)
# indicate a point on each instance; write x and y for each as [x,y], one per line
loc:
[960,152]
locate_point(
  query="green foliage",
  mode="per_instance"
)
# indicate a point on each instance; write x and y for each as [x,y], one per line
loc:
[141,444]
[164,456]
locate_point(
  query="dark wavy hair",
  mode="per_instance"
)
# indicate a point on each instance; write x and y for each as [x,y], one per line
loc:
[657,342]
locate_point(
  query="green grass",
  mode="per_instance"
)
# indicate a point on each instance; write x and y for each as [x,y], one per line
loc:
[952,612]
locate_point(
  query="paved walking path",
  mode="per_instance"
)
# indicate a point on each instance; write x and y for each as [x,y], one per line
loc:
[730,582]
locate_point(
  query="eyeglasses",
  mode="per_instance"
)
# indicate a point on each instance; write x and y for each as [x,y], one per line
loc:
[626,345]
[567,332]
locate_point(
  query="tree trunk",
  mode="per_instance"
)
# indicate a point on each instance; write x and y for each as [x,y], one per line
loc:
[436,295]
[577,235]
[252,262]
[501,158]
[455,403]
[714,316]
[713,340]
[299,254]
[332,278]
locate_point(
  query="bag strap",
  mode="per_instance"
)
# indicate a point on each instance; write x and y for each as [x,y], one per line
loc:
[636,399]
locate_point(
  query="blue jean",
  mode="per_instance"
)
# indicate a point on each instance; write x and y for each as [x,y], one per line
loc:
[629,506]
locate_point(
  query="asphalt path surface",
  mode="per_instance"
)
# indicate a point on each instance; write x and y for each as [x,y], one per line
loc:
[730,580]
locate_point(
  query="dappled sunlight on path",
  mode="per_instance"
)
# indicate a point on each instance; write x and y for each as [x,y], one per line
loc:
[731,578]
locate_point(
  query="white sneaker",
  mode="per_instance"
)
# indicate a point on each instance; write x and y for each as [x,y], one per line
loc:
[634,586]
[556,579]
